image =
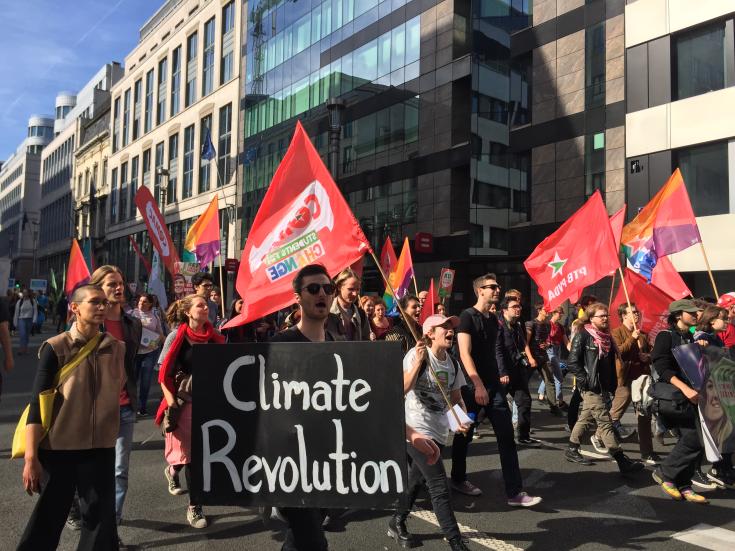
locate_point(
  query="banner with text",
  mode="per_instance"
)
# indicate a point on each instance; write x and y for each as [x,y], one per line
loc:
[299,425]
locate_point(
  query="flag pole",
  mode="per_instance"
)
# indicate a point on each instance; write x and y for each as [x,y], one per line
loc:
[709,270]
[414,335]
[612,290]
[627,297]
[221,284]
[415,285]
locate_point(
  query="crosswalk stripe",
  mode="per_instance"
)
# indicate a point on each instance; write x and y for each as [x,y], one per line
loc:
[708,537]
[480,538]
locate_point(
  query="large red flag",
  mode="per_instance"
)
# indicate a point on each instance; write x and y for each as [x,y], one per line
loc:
[617,221]
[666,278]
[388,258]
[430,303]
[77,272]
[157,230]
[651,301]
[304,219]
[580,253]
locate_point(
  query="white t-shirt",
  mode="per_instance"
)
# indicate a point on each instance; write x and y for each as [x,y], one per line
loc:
[425,407]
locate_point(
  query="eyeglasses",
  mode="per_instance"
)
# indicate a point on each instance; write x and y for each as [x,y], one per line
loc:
[313,288]
[493,286]
[515,307]
[206,285]
[98,303]
[602,316]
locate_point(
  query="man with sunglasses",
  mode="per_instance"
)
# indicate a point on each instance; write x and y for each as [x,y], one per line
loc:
[314,293]
[479,348]
[592,361]
[203,285]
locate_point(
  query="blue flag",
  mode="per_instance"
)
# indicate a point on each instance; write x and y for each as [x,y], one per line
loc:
[208,151]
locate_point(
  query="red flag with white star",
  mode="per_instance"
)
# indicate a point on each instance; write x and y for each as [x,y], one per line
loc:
[579,254]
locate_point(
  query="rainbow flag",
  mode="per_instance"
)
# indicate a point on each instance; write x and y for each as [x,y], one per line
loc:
[203,238]
[399,278]
[666,225]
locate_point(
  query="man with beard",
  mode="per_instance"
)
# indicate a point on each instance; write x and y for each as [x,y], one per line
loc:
[592,361]
[477,336]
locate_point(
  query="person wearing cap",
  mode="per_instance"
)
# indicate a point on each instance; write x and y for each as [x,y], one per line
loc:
[675,473]
[727,301]
[426,366]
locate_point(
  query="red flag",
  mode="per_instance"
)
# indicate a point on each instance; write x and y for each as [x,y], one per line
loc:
[666,278]
[580,253]
[157,230]
[304,219]
[651,301]
[617,221]
[77,272]
[432,299]
[388,258]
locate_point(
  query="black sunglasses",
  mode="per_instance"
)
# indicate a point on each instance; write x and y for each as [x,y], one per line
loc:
[493,286]
[313,288]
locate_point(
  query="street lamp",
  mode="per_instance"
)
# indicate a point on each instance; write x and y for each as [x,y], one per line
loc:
[335,107]
[162,173]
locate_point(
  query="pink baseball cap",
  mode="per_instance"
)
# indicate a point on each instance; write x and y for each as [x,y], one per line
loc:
[437,320]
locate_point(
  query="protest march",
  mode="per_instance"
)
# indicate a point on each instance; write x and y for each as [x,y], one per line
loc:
[314,396]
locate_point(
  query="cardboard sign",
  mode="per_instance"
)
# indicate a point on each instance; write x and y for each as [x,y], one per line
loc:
[446,281]
[298,425]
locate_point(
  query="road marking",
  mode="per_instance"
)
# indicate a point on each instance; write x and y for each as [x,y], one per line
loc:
[708,537]
[480,538]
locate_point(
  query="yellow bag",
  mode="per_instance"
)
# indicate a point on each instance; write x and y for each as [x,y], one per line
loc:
[46,400]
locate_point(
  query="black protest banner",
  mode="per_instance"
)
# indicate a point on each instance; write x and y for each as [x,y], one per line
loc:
[298,424]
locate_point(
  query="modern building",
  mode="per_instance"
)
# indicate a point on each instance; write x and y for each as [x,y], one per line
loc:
[680,87]
[19,199]
[181,84]
[57,167]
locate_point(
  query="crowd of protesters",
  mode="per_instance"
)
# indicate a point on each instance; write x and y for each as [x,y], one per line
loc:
[485,359]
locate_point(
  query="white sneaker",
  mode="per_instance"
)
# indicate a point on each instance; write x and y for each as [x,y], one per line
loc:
[196,517]
[524,500]
[598,445]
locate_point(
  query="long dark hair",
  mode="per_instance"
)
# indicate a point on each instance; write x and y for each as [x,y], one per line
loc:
[233,313]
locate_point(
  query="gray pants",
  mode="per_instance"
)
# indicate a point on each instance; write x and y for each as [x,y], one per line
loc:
[594,411]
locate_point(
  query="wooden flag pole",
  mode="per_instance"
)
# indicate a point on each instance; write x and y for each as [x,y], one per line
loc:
[415,285]
[612,290]
[709,270]
[221,284]
[627,297]
[409,324]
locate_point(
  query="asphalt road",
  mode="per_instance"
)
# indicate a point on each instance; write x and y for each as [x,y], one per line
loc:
[586,508]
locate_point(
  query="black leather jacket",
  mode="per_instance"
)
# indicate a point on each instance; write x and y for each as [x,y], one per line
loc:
[593,373]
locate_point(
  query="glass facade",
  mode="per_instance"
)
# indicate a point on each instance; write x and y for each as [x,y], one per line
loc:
[208,58]
[205,172]
[188,182]
[175,80]
[699,61]
[156,174]
[594,164]
[191,70]
[594,65]
[228,43]
[122,211]
[224,145]
[148,120]
[706,175]
[137,95]
[126,117]
[161,108]
[134,167]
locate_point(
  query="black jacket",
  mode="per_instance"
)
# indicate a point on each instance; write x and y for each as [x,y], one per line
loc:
[132,330]
[664,364]
[592,372]
[509,348]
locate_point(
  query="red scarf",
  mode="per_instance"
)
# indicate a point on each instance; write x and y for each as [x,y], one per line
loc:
[167,371]
[602,340]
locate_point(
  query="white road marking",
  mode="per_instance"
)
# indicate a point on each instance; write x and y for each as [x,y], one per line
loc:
[708,537]
[480,538]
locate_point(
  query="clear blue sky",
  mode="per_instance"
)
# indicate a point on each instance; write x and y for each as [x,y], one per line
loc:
[50,45]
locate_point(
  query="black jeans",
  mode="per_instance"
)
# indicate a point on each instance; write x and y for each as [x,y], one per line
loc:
[573,412]
[435,478]
[305,532]
[500,418]
[92,474]
[518,389]
[680,464]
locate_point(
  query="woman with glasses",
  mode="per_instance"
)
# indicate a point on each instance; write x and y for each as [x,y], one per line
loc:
[151,339]
[191,314]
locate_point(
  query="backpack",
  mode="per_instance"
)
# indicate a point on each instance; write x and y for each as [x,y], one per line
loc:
[642,400]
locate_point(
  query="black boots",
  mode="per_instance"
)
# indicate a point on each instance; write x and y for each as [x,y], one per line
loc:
[397,530]
[572,454]
[627,465]
[456,544]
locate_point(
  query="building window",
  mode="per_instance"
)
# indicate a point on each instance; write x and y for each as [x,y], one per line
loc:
[122,211]
[175,80]
[228,43]
[594,164]
[148,101]
[173,168]
[208,60]
[594,65]
[147,168]
[113,196]
[224,144]
[706,176]
[157,175]
[188,162]
[137,94]
[133,184]
[126,117]
[162,72]
[204,165]
[115,124]
[191,70]
[699,61]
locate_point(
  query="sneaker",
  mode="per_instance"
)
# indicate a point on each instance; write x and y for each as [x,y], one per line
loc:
[627,465]
[723,479]
[651,459]
[458,544]
[596,442]
[524,500]
[690,495]
[573,455]
[528,442]
[174,488]
[702,482]
[196,517]
[73,523]
[466,488]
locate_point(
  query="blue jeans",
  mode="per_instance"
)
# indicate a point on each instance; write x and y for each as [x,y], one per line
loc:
[24,331]
[144,364]
[553,353]
[123,446]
